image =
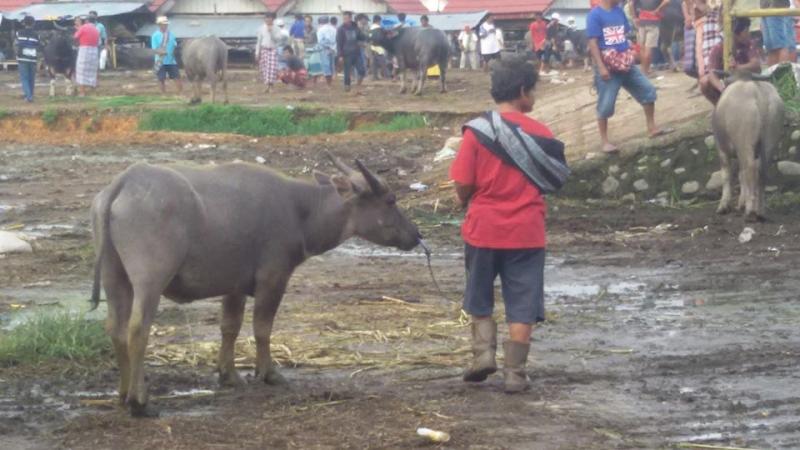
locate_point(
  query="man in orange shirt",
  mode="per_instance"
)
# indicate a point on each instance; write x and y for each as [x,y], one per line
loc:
[538,31]
[504,228]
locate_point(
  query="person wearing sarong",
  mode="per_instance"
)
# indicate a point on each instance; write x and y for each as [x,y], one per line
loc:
[326,41]
[295,72]
[86,65]
[268,39]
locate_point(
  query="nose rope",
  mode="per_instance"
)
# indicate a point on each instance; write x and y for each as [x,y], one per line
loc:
[428,254]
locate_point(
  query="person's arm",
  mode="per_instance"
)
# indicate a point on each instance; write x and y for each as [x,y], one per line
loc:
[340,41]
[688,14]
[464,194]
[715,81]
[664,4]
[597,56]
[754,65]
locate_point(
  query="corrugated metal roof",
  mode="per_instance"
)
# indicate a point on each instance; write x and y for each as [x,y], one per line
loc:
[47,11]
[410,6]
[12,5]
[446,22]
[502,9]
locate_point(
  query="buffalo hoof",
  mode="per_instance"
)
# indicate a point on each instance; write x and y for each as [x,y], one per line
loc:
[231,379]
[403,91]
[141,411]
[723,209]
[418,93]
[753,217]
[443,91]
[274,378]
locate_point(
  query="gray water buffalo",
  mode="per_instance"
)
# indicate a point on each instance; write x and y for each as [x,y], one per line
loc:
[234,231]
[206,58]
[747,122]
[416,49]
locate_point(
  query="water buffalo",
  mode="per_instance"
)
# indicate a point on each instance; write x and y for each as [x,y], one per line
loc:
[747,120]
[235,230]
[206,58]
[60,57]
[417,49]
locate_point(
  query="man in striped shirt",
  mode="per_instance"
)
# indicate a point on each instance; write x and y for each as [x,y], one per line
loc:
[27,45]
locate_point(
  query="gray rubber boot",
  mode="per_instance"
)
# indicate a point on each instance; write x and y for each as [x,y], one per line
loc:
[484,347]
[516,355]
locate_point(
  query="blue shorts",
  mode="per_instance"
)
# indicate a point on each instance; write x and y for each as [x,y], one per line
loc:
[327,62]
[633,81]
[168,69]
[778,33]
[522,276]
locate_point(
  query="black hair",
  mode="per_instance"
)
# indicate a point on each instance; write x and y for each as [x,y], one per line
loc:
[361,16]
[308,16]
[298,17]
[425,18]
[270,15]
[289,49]
[401,16]
[28,21]
[376,19]
[334,20]
[93,13]
[92,19]
[348,13]
[510,77]
[323,19]
[741,24]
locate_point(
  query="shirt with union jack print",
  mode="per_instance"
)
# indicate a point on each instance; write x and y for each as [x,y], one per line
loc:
[610,27]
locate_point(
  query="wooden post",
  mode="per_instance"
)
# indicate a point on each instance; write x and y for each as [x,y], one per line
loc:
[727,33]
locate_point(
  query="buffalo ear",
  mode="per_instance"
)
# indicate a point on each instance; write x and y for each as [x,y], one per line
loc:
[323,179]
[344,186]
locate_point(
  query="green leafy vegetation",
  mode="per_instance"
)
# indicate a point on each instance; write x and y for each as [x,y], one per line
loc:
[62,336]
[4,113]
[241,120]
[784,81]
[399,123]
[131,100]
[50,117]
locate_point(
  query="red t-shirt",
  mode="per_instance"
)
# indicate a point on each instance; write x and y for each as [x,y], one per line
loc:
[87,35]
[506,210]
[538,29]
[593,3]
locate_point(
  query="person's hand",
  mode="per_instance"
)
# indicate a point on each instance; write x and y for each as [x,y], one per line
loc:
[636,23]
[689,25]
[604,73]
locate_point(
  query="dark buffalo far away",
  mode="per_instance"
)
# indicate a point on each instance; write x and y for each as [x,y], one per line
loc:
[663,330]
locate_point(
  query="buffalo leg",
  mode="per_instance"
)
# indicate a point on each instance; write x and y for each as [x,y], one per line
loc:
[225,88]
[232,316]
[120,298]
[52,87]
[423,73]
[145,304]
[725,163]
[443,76]
[197,92]
[759,197]
[748,171]
[269,293]
[402,80]
[213,83]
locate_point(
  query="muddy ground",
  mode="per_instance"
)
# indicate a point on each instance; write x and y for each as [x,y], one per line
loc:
[663,330]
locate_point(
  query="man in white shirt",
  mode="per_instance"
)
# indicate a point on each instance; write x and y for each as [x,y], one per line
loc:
[491,41]
[468,41]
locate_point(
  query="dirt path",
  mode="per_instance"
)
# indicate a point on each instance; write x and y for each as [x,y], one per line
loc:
[567,106]
[662,328]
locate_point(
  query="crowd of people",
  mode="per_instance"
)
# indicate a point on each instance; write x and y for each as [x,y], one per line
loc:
[90,41]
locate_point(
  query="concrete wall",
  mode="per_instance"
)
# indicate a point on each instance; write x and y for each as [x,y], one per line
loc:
[331,7]
[218,7]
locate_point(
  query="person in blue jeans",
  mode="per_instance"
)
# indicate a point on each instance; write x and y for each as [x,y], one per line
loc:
[779,35]
[606,29]
[27,45]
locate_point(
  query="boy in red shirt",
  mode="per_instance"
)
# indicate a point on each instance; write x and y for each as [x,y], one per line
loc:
[504,233]
[538,30]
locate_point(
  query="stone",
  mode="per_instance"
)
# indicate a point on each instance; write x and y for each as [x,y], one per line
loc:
[796,135]
[641,168]
[610,185]
[690,187]
[642,160]
[662,194]
[613,169]
[789,168]
[666,163]
[630,198]
[641,185]
[771,188]
[695,151]
[715,182]
[710,143]
[680,170]
[792,150]
[12,243]
[624,176]
[660,201]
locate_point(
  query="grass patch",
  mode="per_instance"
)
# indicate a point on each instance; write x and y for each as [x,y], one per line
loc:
[399,123]
[241,120]
[130,100]
[4,113]
[62,336]
[50,117]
